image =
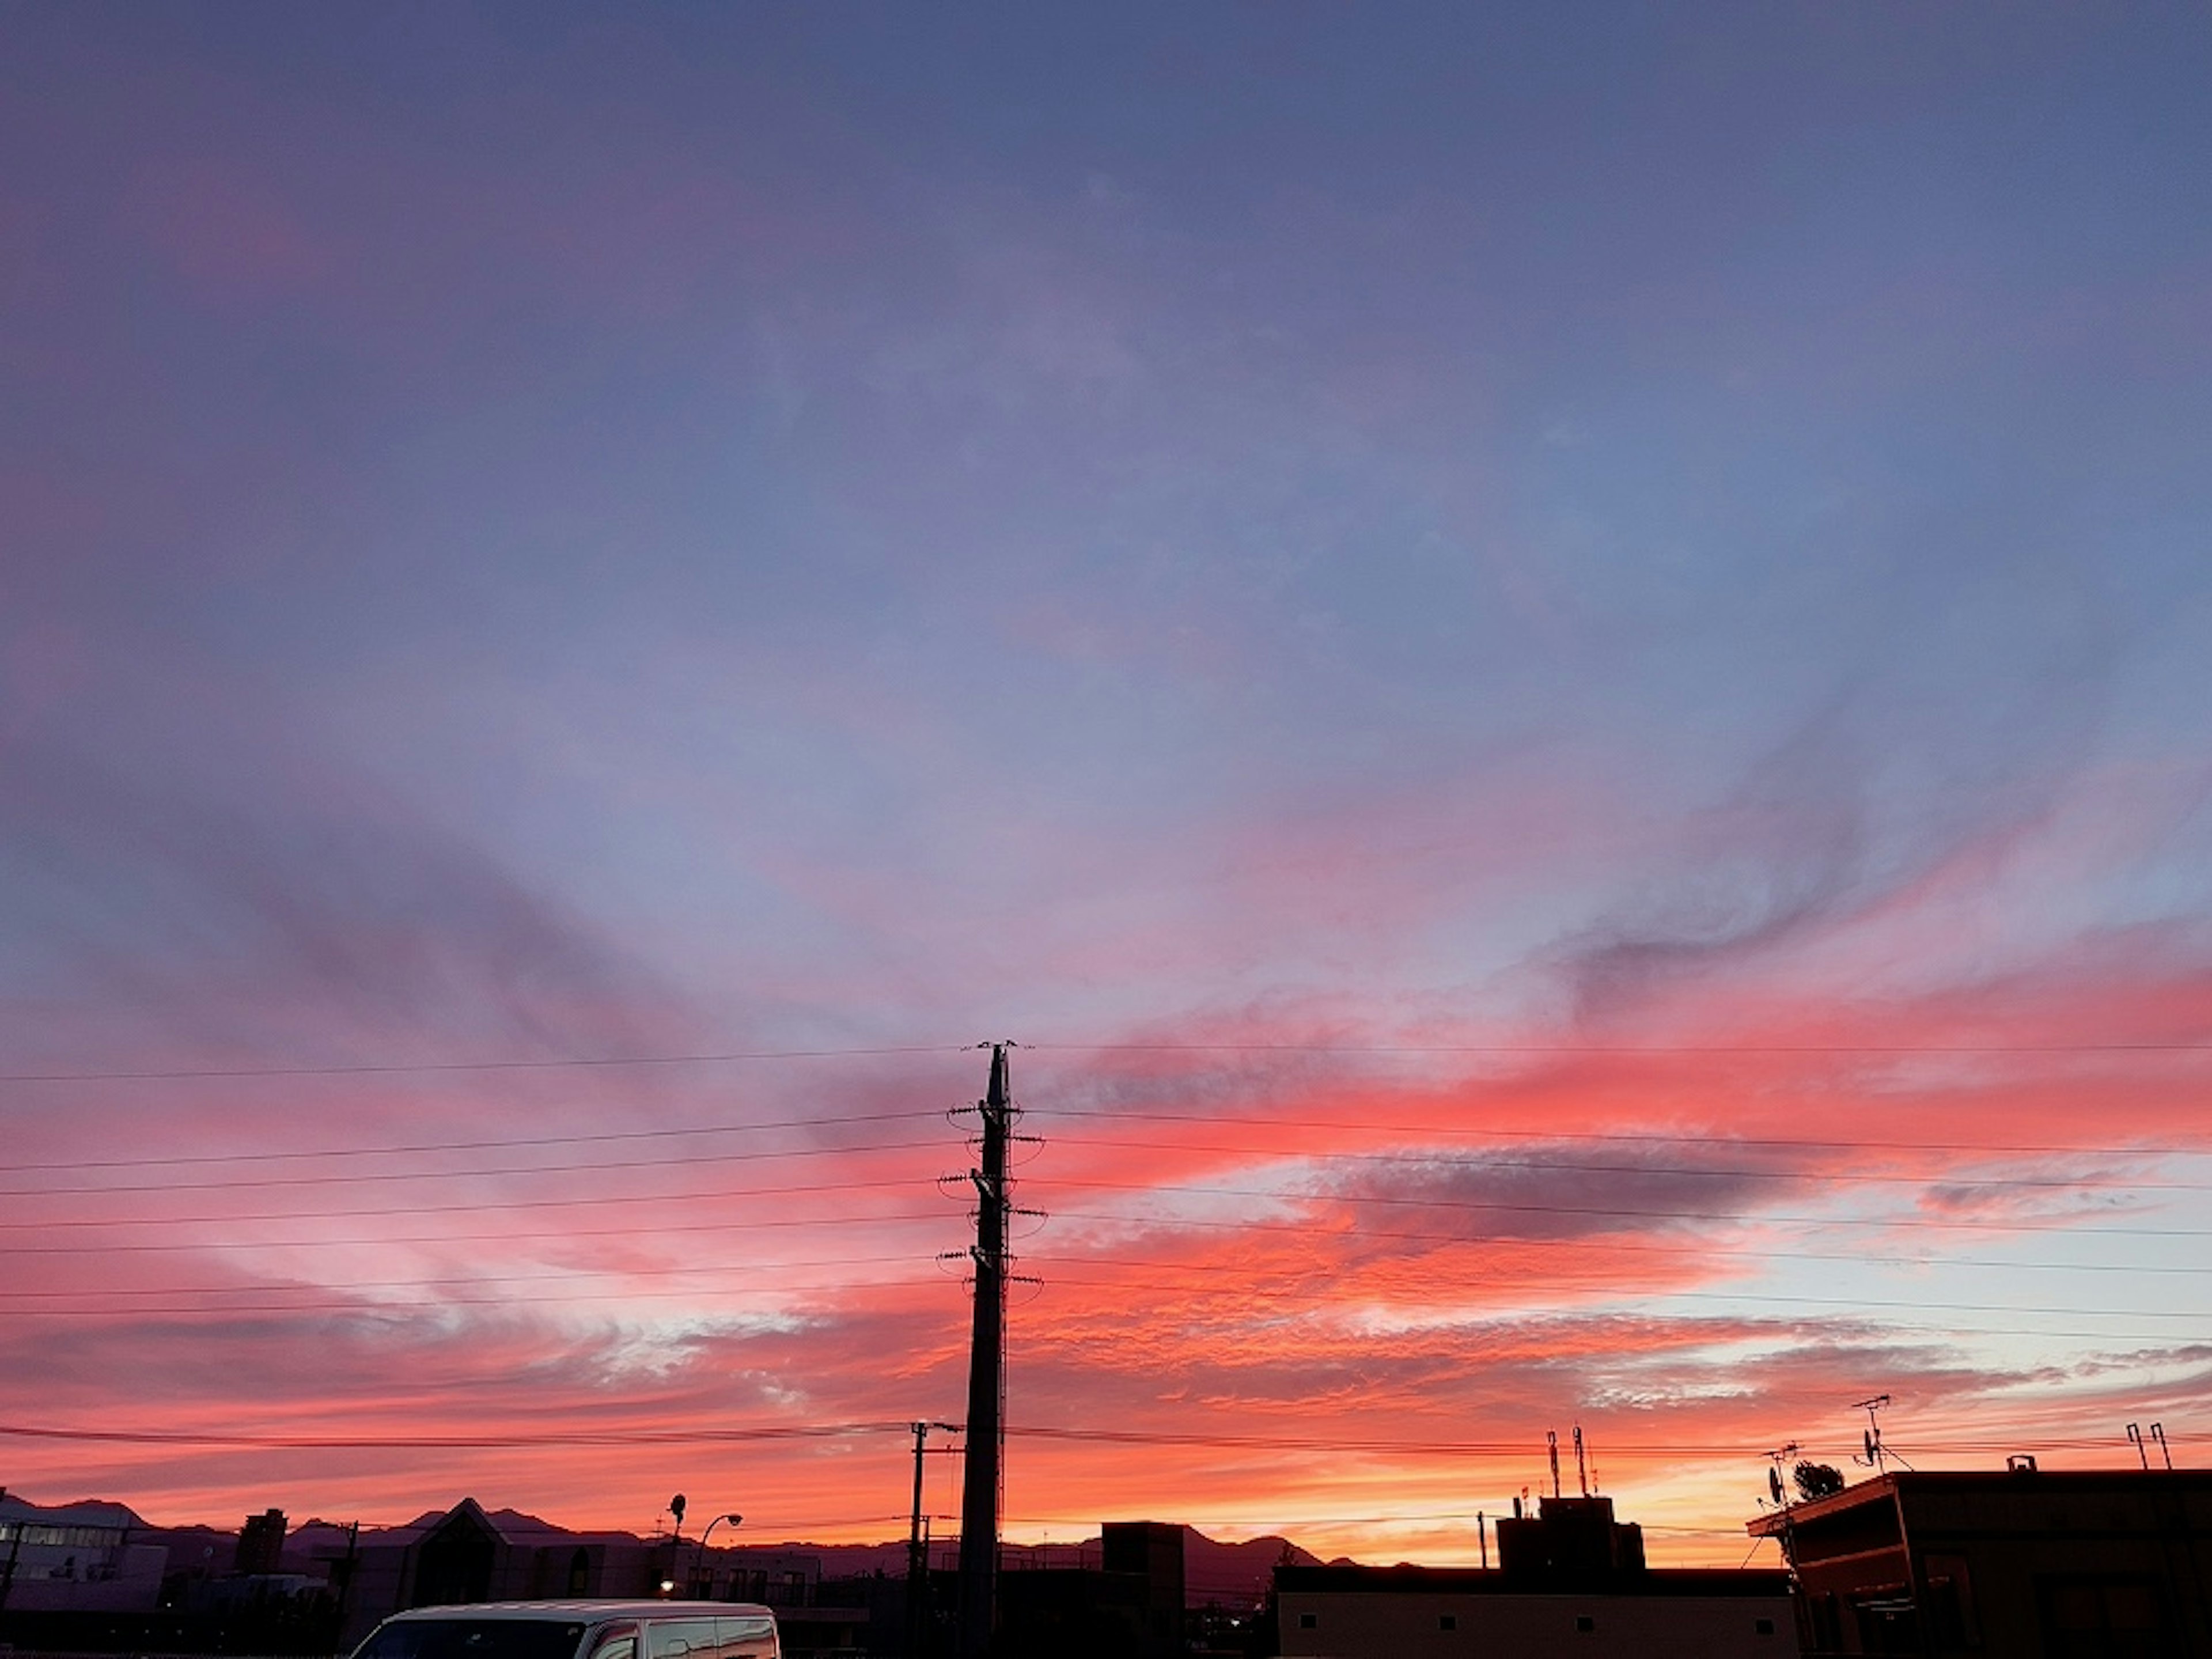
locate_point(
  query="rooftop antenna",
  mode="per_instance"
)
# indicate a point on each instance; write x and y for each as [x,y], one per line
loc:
[1551,1440]
[2136,1439]
[1582,1468]
[2158,1433]
[1780,1457]
[1877,1456]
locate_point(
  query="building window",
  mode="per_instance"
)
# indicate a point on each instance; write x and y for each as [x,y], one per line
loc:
[1308,1621]
[2103,1613]
[1447,1621]
[1762,1627]
[1585,1625]
[1952,1620]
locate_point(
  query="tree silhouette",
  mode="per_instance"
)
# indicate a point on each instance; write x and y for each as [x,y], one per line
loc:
[1816,1480]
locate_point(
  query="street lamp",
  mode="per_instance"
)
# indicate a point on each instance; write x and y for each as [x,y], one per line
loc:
[699,1561]
[675,1545]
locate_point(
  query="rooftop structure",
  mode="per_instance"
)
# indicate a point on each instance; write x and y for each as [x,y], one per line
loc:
[1571,1580]
[2056,1565]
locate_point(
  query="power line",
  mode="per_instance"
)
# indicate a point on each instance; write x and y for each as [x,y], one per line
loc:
[1578,1243]
[1601,1282]
[451,1441]
[201,1247]
[1226,1578]
[1583,1244]
[370,1308]
[1517,1448]
[1916,1222]
[1431,1160]
[1610,1212]
[479,1173]
[470,1209]
[1534,1050]
[1640,1137]
[1510,1317]
[391,1068]
[567,1281]
[1709,1171]
[1367,1130]
[500,1144]
[566,1277]
[2030,1440]
[1546,1050]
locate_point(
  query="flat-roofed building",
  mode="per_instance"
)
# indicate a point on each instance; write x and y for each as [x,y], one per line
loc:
[1571,1580]
[2056,1565]
[77,1558]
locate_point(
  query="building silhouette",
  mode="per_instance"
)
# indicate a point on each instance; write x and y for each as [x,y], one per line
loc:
[2073,1564]
[91,1558]
[261,1542]
[1571,1580]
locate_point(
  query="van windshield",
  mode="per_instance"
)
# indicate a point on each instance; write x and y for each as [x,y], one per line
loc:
[475,1638]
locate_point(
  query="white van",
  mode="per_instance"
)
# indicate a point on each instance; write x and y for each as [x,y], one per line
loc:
[577,1630]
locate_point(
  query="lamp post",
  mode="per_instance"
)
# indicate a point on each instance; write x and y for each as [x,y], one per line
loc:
[699,1561]
[675,1545]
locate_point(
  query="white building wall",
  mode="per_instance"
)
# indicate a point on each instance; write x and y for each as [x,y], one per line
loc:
[64,1568]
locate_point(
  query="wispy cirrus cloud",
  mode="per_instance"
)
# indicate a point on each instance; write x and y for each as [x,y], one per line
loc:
[1601,713]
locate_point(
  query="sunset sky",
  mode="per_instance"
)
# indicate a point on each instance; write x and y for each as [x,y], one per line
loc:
[1555,661]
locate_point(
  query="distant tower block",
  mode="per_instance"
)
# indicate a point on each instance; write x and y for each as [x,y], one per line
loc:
[261,1543]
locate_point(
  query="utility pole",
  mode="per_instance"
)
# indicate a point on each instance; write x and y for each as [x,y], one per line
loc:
[987,1379]
[917,1551]
[8,1573]
[15,1552]
[345,1576]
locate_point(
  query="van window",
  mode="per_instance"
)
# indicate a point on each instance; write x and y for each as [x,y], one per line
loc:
[475,1638]
[743,1638]
[675,1638]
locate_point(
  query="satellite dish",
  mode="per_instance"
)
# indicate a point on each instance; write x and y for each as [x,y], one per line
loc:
[1774,1484]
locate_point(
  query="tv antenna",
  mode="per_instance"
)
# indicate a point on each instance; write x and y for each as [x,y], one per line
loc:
[1876,1455]
[1780,1457]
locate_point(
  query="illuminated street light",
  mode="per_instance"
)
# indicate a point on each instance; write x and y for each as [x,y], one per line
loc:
[699,1561]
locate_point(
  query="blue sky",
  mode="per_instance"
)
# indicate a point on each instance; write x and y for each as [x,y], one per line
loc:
[551,534]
